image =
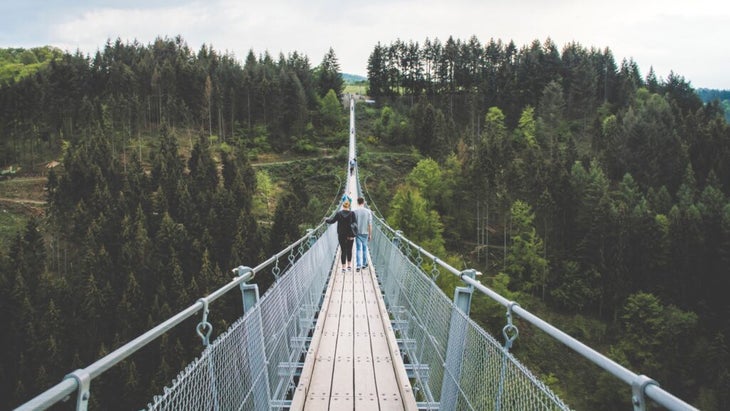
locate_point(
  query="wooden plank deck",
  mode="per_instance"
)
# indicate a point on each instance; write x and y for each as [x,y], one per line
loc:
[353,362]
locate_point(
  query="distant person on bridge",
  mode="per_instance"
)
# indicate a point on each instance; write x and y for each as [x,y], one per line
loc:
[346,232]
[364,233]
[345,198]
[353,163]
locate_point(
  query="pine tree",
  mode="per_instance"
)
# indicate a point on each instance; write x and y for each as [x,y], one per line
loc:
[167,172]
[410,213]
[527,170]
[223,226]
[651,331]
[129,310]
[179,292]
[429,126]
[594,226]
[330,112]
[293,113]
[493,154]
[246,249]
[50,330]
[285,228]
[21,314]
[131,382]
[581,98]
[94,306]
[209,276]
[33,260]
[377,74]
[136,245]
[725,241]
[203,174]
[328,75]
[712,272]
[428,178]
[525,263]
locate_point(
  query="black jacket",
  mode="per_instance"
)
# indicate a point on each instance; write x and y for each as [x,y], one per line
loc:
[344,220]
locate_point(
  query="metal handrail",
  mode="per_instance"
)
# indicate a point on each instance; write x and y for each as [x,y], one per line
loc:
[72,382]
[642,383]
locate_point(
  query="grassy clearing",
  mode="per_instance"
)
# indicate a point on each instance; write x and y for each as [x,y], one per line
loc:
[13,218]
[356,88]
[30,188]
[14,215]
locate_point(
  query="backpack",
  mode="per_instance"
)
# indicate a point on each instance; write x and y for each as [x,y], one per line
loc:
[353,224]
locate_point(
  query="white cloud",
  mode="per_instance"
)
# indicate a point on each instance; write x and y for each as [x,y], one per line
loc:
[688,38]
[91,29]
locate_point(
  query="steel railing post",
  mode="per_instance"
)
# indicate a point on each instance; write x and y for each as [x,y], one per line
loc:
[456,344]
[83,381]
[249,292]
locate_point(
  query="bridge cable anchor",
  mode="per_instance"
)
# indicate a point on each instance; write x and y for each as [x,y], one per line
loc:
[276,270]
[435,272]
[204,328]
[510,328]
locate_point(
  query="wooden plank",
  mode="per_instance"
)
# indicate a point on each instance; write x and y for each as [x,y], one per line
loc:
[366,392]
[300,395]
[394,388]
[387,386]
[319,384]
[353,361]
[342,392]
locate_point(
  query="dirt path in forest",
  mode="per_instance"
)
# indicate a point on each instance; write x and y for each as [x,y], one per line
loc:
[28,190]
[15,205]
[21,201]
[281,162]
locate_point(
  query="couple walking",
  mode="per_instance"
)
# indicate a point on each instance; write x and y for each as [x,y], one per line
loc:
[353,226]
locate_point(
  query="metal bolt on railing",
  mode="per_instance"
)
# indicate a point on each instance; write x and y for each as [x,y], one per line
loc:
[638,387]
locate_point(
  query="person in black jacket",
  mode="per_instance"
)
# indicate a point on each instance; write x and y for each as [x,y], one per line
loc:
[345,220]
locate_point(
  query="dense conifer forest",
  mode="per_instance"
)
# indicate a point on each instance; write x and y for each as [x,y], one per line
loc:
[593,194]
[585,189]
[136,227]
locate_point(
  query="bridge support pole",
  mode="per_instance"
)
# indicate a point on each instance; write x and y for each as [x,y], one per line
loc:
[455,344]
[249,292]
[83,381]
[255,343]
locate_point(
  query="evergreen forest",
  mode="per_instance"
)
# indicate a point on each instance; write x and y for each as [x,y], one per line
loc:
[594,195]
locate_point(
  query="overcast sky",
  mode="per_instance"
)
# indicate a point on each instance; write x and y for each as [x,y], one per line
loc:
[691,38]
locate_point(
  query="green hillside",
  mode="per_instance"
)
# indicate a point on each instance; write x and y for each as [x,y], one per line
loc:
[722,97]
[16,63]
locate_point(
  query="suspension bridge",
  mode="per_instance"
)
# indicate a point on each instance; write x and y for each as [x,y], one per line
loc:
[383,338]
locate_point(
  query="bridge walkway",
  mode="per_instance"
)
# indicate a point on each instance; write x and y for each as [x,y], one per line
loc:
[353,361]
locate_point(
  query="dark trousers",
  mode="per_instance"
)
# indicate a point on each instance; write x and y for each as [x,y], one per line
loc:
[346,246]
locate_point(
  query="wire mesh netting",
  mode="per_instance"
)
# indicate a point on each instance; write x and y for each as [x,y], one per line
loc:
[245,368]
[455,363]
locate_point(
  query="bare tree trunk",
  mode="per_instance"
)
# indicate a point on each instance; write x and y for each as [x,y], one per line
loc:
[479,227]
[504,253]
[486,229]
[248,108]
[221,130]
[232,113]
[32,149]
